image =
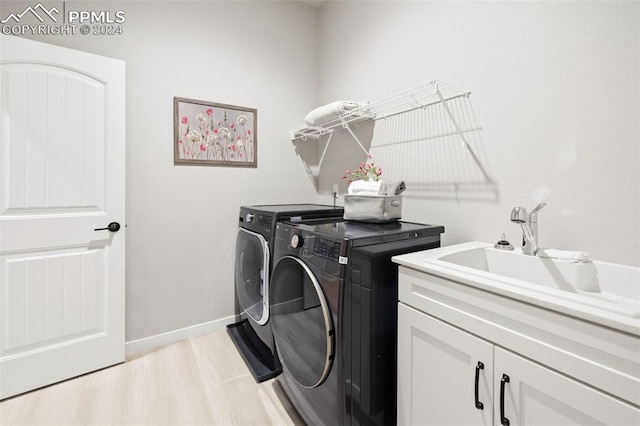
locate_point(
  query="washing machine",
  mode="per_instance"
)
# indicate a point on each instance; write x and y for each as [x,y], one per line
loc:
[333,306]
[252,335]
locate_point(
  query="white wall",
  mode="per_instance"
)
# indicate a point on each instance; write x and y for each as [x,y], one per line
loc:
[554,86]
[182,220]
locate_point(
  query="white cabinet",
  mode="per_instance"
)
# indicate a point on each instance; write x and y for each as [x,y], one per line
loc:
[535,395]
[440,381]
[437,366]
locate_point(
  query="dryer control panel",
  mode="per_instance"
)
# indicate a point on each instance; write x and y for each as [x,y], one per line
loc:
[327,249]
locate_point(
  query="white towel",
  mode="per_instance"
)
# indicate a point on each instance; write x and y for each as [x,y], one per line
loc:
[365,187]
[576,256]
[392,187]
[331,111]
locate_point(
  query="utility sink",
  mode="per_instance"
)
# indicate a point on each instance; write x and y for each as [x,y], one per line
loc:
[566,275]
[603,292]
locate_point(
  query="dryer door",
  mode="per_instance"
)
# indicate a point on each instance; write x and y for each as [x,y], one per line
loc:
[252,275]
[301,322]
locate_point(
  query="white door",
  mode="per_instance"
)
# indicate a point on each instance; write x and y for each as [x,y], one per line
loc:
[62,140]
[445,375]
[535,395]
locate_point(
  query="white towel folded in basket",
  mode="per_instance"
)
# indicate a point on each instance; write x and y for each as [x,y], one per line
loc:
[379,187]
[393,187]
[365,187]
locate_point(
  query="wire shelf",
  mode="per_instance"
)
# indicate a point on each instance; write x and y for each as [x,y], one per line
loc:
[420,96]
[426,135]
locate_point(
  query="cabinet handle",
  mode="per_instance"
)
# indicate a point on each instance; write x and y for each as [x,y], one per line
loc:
[479,366]
[503,420]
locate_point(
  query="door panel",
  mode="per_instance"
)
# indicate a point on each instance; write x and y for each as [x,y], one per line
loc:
[437,370]
[61,177]
[54,140]
[51,298]
[301,321]
[252,275]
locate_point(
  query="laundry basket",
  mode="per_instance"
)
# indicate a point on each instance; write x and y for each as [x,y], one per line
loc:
[373,208]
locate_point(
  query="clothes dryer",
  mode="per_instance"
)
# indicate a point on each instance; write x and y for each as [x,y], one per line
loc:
[253,262]
[333,307]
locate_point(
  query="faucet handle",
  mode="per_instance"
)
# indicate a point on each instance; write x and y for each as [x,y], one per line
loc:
[538,208]
[533,216]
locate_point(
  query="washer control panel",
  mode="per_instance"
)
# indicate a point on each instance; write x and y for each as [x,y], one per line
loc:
[265,220]
[327,249]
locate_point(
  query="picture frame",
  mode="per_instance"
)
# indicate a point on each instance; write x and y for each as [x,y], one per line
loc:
[214,134]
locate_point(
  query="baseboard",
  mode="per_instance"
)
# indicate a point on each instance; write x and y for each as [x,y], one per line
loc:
[174,336]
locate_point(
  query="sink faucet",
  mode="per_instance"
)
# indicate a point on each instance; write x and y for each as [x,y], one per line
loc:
[529,223]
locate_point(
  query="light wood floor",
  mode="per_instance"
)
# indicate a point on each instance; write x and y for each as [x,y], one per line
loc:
[199,381]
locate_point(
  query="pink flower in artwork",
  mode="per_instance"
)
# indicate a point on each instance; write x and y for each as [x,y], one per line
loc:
[179,140]
[185,120]
[203,147]
[232,126]
[248,132]
[215,130]
[233,147]
[209,112]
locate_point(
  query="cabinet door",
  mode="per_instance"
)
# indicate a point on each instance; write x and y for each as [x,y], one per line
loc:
[535,395]
[437,373]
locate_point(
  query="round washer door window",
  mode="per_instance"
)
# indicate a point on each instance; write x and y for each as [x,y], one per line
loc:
[301,322]
[252,275]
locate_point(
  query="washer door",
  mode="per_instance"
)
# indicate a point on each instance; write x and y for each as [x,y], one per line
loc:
[301,322]
[252,275]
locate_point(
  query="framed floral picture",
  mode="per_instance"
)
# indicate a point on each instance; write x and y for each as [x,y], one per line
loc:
[212,134]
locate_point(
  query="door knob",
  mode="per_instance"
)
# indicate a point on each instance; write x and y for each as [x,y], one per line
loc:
[112,227]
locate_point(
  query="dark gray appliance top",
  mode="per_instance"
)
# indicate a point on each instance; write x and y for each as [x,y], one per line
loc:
[263,218]
[361,233]
[291,208]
